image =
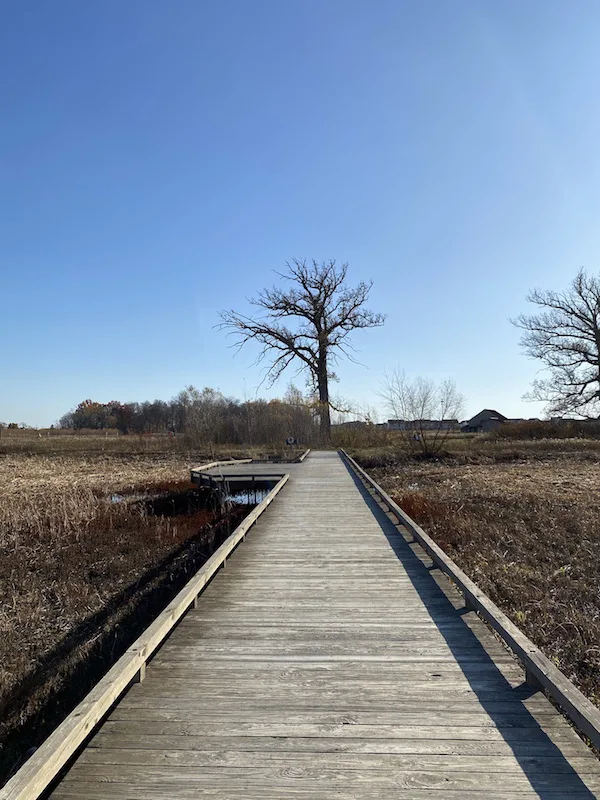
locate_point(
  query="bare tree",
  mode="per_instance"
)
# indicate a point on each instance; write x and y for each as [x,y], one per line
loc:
[308,323]
[565,337]
[426,412]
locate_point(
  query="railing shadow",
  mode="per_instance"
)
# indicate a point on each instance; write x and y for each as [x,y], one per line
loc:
[463,640]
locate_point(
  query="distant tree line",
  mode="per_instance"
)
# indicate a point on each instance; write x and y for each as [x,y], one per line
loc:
[204,416]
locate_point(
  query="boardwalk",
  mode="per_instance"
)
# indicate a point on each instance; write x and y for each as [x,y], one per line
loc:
[327,661]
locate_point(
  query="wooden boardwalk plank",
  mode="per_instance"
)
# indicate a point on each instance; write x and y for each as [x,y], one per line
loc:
[326,661]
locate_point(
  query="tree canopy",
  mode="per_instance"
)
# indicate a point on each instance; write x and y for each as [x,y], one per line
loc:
[308,323]
[565,336]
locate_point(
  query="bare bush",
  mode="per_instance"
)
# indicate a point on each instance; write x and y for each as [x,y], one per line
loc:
[427,410]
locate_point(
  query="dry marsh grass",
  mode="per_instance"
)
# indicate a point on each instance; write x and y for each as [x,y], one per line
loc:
[482,449]
[60,442]
[528,532]
[86,444]
[57,521]
[82,575]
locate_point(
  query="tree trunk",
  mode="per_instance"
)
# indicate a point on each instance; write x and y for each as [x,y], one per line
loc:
[323,387]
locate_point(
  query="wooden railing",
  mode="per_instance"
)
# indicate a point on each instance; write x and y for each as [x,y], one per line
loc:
[44,765]
[540,672]
[215,464]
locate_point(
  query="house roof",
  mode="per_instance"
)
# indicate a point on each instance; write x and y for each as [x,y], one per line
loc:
[489,414]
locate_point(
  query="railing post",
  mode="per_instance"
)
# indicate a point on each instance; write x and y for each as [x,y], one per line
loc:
[532,681]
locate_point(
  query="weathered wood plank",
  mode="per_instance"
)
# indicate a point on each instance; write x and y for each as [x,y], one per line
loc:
[328,662]
[35,775]
[449,719]
[232,757]
[283,777]
[489,751]
[232,727]
[185,791]
[583,713]
[530,706]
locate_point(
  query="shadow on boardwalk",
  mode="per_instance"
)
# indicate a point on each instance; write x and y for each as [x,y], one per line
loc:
[463,640]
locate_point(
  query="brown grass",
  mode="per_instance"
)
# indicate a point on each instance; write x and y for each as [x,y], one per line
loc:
[481,449]
[528,533]
[65,548]
[81,575]
[54,442]
[88,442]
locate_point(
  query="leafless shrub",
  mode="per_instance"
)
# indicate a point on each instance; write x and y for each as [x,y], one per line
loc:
[427,410]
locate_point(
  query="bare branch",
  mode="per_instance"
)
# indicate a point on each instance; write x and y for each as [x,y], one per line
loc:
[565,336]
[309,322]
[425,410]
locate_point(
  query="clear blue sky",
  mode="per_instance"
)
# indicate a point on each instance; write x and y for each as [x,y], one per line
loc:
[159,159]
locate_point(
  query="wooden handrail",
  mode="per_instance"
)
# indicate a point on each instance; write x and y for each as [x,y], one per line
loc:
[34,777]
[540,671]
[215,464]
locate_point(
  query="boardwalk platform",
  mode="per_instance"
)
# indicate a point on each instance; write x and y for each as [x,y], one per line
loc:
[328,661]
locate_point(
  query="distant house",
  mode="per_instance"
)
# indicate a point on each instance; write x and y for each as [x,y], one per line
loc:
[486,420]
[423,425]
